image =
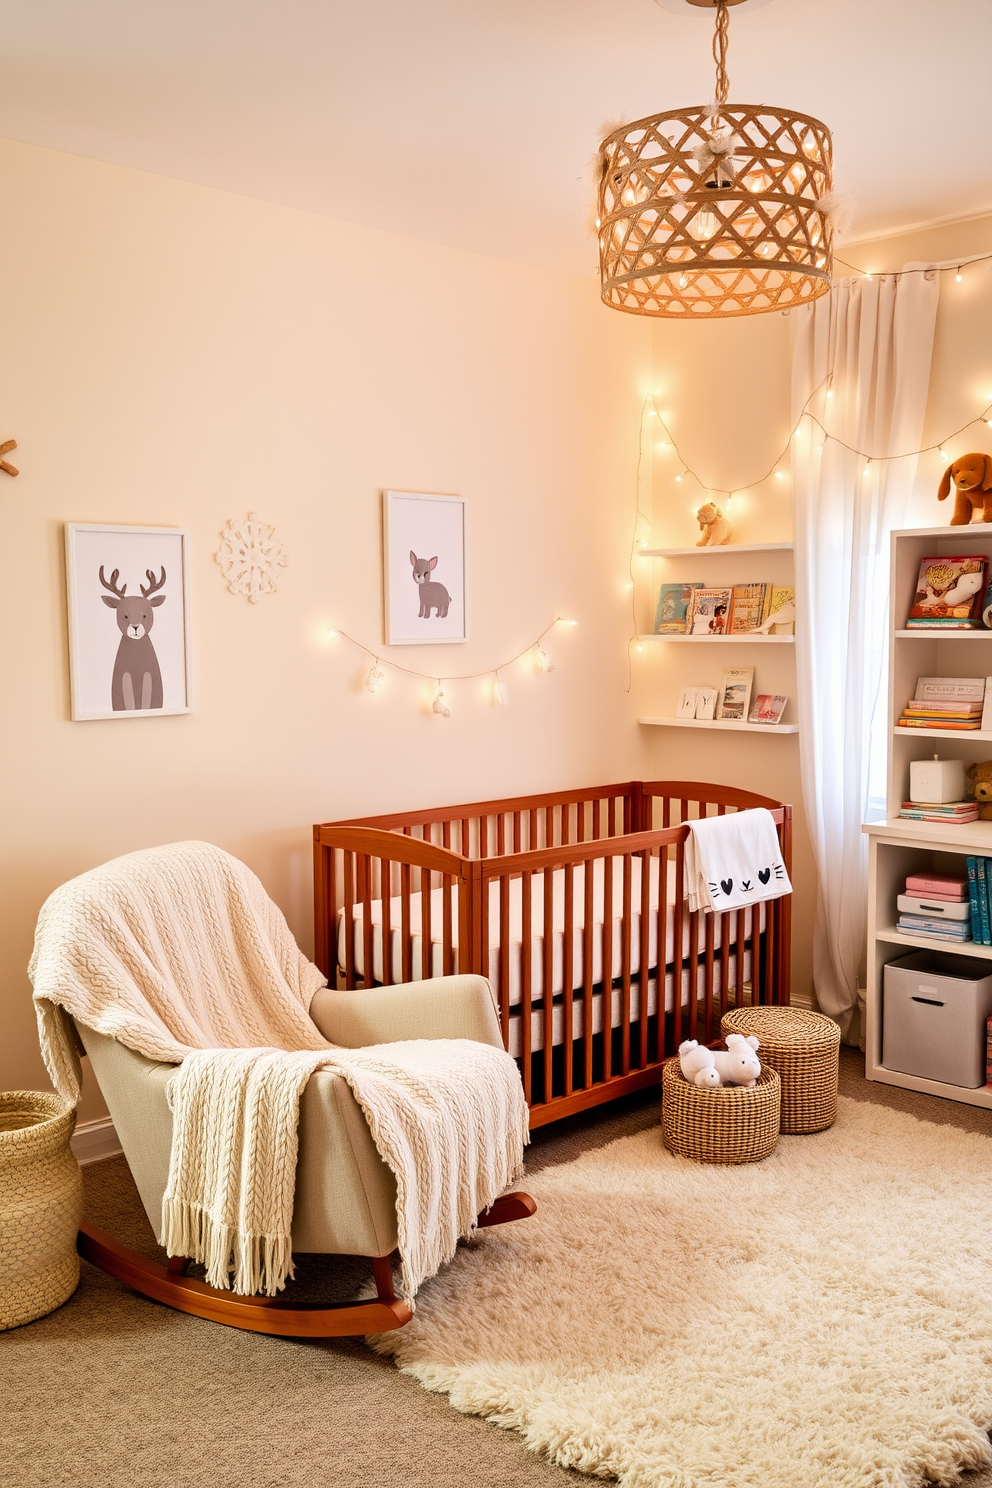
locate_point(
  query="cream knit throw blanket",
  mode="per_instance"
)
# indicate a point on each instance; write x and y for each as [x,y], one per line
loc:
[179,953]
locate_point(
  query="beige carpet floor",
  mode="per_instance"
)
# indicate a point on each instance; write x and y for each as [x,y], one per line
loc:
[113,1390]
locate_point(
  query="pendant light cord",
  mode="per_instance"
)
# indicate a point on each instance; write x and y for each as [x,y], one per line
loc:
[721,44]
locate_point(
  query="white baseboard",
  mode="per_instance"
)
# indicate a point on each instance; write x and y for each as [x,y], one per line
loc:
[94,1140]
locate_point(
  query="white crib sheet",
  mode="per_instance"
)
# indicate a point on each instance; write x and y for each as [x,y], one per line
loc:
[516,1023]
[435,966]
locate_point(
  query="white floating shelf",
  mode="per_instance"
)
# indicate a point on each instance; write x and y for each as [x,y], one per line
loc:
[722,723]
[724,548]
[944,633]
[928,733]
[724,640]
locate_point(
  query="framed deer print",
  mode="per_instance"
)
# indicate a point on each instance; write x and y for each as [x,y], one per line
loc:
[423,584]
[128,597]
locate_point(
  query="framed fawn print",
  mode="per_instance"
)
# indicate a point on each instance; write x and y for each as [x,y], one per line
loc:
[423,563]
[128,601]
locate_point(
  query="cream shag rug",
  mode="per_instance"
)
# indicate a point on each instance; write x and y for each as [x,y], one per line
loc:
[822,1319]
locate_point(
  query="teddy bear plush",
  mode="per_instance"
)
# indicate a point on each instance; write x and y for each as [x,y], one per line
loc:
[971,477]
[714,526]
[738,1064]
[981,788]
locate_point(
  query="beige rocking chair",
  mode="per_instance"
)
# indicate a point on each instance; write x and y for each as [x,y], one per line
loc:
[345,1194]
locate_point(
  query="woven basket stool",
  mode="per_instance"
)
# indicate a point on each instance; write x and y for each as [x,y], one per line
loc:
[730,1125]
[41,1199]
[804,1048]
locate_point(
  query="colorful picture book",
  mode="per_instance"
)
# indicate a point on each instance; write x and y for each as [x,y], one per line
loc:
[954,703]
[945,811]
[674,602]
[750,607]
[768,708]
[734,695]
[709,613]
[949,593]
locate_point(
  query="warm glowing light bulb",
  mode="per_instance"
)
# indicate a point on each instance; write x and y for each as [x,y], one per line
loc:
[663,444]
[678,477]
[779,475]
[867,468]
[544,661]
[440,705]
[683,281]
[957,276]
[819,449]
[830,392]
[642,542]
[941,454]
[638,647]
[331,633]
[652,413]
[500,694]
[376,677]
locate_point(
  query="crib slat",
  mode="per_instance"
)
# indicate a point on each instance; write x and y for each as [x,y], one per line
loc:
[607,934]
[568,970]
[333,957]
[549,983]
[426,953]
[447,922]
[349,920]
[625,963]
[526,990]
[587,969]
[678,922]
[368,944]
[644,968]
[504,951]
[693,917]
[755,955]
[387,923]
[532,841]
[611,817]
[596,820]
[708,980]
[406,943]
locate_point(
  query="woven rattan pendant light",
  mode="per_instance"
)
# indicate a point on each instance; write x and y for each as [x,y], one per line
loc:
[718,210]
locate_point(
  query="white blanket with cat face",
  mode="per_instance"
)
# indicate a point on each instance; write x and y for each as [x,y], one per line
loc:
[734,860]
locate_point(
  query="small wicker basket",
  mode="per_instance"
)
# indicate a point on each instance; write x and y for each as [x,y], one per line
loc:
[41,1198]
[731,1125]
[804,1048]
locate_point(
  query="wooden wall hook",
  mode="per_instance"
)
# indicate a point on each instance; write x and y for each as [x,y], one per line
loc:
[5,448]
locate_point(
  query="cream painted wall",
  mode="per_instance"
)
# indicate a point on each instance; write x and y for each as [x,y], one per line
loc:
[177,356]
[724,389]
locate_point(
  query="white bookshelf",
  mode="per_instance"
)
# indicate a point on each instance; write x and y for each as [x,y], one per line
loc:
[897,847]
[772,656]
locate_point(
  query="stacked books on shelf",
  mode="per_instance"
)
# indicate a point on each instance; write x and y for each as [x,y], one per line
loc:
[954,703]
[988,1052]
[979,890]
[699,609]
[949,593]
[941,906]
[960,812]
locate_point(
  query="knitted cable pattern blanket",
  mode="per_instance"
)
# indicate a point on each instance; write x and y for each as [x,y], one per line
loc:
[178,953]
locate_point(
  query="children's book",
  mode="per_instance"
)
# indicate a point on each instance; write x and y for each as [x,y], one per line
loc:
[750,606]
[734,695]
[950,689]
[768,708]
[949,593]
[781,596]
[710,611]
[674,602]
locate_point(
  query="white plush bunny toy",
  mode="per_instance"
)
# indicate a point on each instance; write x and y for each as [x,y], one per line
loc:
[737,1065]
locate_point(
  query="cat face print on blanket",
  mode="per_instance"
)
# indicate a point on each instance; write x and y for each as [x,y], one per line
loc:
[734,860]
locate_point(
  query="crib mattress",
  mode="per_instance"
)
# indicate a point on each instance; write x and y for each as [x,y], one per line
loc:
[433,964]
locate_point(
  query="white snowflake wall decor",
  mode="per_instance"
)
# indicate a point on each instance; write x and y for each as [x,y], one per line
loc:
[250,555]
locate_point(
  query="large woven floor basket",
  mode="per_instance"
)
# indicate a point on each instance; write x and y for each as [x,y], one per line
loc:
[804,1048]
[731,1125]
[41,1199]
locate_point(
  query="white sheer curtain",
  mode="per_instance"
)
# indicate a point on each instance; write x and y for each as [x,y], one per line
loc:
[873,338]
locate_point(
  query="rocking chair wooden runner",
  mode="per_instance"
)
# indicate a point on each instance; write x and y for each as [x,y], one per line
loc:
[345,1194]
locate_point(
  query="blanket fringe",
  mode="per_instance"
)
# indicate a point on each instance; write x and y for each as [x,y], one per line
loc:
[261,1264]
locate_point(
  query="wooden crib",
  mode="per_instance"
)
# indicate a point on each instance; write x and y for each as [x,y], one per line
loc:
[571,903]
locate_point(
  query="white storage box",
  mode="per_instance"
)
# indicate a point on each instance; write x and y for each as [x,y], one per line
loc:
[933,1017]
[934,909]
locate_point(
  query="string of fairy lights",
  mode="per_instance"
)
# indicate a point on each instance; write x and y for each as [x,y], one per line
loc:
[807,416]
[441,704]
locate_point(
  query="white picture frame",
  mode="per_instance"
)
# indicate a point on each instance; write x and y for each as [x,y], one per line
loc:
[424,601]
[115,664]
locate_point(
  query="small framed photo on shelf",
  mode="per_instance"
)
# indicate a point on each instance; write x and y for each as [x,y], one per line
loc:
[423,555]
[687,703]
[133,662]
[709,614]
[768,708]
[674,603]
[734,696]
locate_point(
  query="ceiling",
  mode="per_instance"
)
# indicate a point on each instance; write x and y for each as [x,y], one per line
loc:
[473,122]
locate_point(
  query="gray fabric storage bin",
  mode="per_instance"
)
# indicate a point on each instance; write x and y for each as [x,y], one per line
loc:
[933,1017]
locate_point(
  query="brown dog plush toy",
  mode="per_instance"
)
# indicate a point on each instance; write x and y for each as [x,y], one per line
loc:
[972,479]
[981,787]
